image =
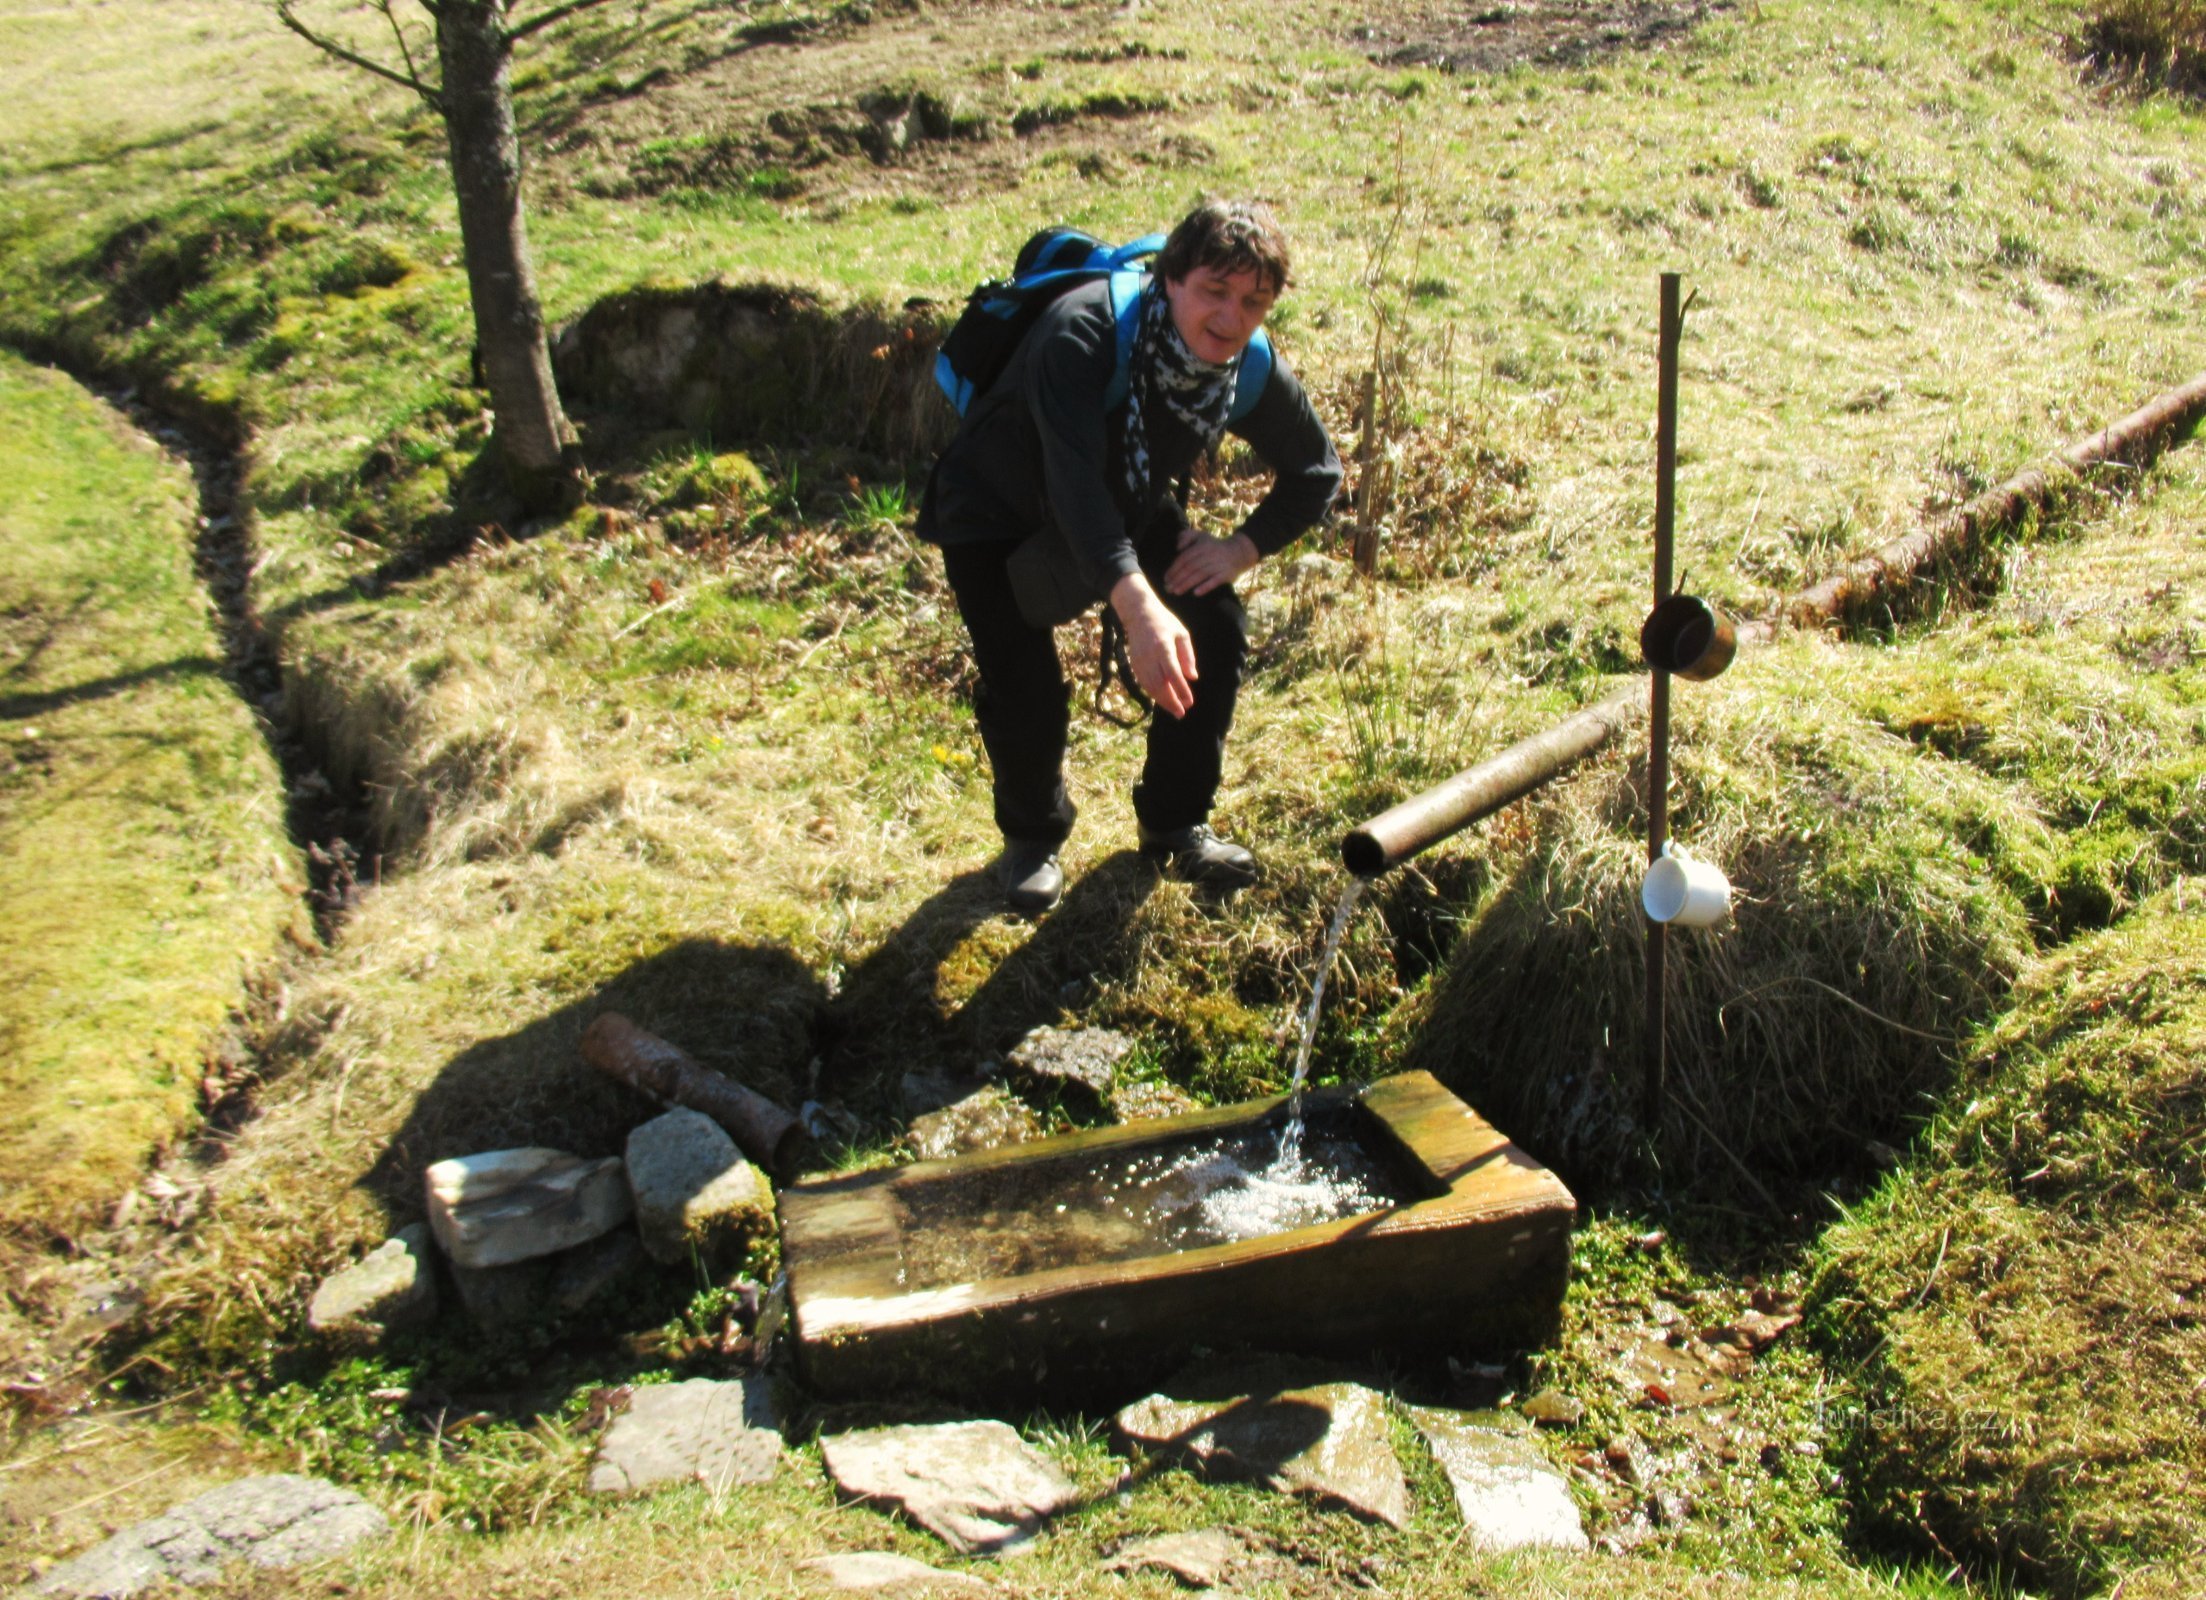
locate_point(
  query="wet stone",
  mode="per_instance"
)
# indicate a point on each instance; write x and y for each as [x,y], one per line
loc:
[986,1120]
[1329,1443]
[698,1431]
[280,1520]
[1510,1497]
[695,1195]
[1199,1560]
[1140,1102]
[1078,1061]
[879,1572]
[393,1286]
[977,1486]
[503,1206]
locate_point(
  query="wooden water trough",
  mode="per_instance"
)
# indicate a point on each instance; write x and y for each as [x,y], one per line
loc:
[1472,1258]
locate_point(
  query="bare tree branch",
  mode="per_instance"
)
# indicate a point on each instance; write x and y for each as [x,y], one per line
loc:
[545,19]
[405,50]
[289,19]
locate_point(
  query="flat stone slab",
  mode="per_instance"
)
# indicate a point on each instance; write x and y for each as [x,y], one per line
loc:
[879,1572]
[987,1119]
[1080,1060]
[393,1286]
[280,1520]
[1327,1443]
[977,1486]
[694,1192]
[503,1206]
[1510,1497]
[1199,1560]
[698,1431]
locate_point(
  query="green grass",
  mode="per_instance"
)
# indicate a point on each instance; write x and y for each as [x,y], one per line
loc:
[142,853]
[2017,1313]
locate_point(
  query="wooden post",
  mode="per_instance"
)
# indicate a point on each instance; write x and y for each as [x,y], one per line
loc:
[1653,1084]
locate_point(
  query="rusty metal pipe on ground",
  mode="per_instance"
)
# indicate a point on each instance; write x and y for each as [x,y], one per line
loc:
[769,1134]
[1423,820]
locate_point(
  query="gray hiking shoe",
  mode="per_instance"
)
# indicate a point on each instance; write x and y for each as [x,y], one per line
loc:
[1199,856]
[1032,880]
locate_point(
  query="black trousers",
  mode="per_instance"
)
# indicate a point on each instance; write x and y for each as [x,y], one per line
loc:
[1023,704]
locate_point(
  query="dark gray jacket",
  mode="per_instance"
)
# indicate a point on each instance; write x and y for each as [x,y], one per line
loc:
[1038,451]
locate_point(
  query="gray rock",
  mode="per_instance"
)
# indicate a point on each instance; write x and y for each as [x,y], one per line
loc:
[1510,1497]
[923,1092]
[275,1521]
[1138,1102]
[1328,1443]
[986,1120]
[507,1296]
[582,1274]
[698,1431]
[393,1286]
[694,1192]
[879,1572]
[1199,1560]
[1079,1061]
[1554,1409]
[975,1485]
[503,1206]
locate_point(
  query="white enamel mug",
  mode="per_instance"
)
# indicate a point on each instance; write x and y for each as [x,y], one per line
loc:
[1685,890]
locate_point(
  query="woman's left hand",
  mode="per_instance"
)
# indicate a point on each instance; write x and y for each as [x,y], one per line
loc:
[1205,563]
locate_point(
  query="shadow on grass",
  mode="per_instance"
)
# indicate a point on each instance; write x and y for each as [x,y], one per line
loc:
[750,1011]
[898,1010]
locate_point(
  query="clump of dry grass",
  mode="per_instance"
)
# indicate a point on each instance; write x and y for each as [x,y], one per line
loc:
[1819,1017]
[2021,1308]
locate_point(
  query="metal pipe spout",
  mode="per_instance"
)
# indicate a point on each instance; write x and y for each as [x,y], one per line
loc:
[1423,820]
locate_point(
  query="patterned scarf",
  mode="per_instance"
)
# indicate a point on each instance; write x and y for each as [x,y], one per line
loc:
[1164,372]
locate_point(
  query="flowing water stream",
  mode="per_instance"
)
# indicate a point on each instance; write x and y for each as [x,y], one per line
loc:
[1290,1137]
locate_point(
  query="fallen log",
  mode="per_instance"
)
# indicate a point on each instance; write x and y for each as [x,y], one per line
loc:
[2135,441]
[1400,832]
[766,1132]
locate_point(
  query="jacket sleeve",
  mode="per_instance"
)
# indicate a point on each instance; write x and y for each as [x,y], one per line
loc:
[1306,471]
[1071,368]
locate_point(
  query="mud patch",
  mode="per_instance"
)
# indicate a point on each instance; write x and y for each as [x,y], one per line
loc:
[1481,36]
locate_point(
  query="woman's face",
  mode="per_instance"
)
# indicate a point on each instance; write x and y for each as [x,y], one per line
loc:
[1217,313]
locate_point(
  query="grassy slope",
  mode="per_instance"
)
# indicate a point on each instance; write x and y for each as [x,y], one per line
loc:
[1922,251]
[142,855]
[2020,1304]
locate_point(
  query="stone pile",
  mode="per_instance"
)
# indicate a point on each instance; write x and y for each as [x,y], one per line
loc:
[533,1229]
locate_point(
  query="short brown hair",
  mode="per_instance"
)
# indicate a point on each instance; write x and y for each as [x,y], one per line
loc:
[1230,236]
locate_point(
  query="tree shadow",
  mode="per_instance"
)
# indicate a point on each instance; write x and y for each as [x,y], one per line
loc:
[44,703]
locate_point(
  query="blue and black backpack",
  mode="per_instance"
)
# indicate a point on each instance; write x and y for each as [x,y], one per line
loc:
[999,313]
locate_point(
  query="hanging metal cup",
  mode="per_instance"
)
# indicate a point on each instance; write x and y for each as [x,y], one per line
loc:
[1687,636]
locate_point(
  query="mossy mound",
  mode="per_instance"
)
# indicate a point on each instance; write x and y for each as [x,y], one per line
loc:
[1877,905]
[2023,1304]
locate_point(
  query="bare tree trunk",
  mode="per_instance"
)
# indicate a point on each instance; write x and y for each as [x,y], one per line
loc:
[534,440]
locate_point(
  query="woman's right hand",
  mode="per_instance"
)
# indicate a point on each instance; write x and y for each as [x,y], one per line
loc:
[1158,646]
